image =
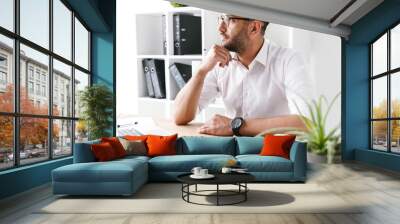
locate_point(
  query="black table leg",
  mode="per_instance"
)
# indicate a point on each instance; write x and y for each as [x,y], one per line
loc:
[217,194]
[182,190]
[188,189]
[245,193]
[196,188]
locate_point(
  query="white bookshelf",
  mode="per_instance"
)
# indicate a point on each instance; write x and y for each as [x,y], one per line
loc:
[149,44]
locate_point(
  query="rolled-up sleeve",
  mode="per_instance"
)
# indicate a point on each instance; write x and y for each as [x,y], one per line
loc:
[210,90]
[298,85]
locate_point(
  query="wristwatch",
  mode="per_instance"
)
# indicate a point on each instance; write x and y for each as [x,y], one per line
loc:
[236,123]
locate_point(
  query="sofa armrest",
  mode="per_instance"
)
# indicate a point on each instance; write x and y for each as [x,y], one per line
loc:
[298,155]
[83,152]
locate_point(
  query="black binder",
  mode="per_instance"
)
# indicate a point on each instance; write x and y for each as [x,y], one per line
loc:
[181,73]
[147,76]
[187,34]
[157,73]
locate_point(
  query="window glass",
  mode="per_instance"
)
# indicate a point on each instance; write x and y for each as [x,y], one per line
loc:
[379,56]
[6,142]
[379,97]
[34,21]
[379,135]
[395,136]
[34,81]
[395,47]
[395,94]
[81,131]
[81,81]
[62,29]
[62,138]
[39,62]
[33,140]
[6,74]
[81,45]
[62,91]
[7,14]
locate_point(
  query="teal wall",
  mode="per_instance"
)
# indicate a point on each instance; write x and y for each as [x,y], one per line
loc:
[104,53]
[355,87]
[24,178]
[99,15]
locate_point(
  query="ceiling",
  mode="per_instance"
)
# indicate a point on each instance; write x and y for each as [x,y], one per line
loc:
[326,16]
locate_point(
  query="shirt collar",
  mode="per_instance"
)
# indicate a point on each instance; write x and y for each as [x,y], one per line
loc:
[261,56]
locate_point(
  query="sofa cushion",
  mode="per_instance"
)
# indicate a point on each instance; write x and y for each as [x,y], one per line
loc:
[249,145]
[136,137]
[185,163]
[112,171]
[131,158]
[134,147]
[197,145]
[116,145]
[277,145]
[161,145]
[103,152]
[257,163]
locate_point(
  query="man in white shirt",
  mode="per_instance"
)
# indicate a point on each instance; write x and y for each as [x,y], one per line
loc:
[262,86]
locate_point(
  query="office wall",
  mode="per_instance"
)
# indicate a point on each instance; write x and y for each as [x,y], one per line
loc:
[126,48]
[356,101]
[322,53]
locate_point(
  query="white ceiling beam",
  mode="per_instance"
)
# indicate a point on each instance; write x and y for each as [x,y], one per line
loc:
[348,12]
[270,15]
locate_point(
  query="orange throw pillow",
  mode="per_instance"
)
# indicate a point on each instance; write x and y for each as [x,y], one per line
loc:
[116,145]
[277,145]
[161,145]
[103,152]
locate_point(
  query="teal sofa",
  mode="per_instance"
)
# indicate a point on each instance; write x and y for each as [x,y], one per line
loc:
[125,176]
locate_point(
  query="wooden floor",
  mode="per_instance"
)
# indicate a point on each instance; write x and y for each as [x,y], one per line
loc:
[377,188]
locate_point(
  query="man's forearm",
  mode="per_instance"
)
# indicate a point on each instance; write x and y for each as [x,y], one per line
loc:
[186,102]
[255,126]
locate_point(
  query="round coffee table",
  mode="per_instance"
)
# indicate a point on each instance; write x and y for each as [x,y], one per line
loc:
[238,179]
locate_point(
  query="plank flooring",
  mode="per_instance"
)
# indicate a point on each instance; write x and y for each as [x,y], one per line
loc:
[378,190]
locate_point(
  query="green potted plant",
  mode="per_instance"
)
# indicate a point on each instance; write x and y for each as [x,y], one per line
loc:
[323,144]
[96,102]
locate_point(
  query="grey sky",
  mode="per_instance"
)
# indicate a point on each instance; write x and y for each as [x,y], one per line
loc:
[6,15]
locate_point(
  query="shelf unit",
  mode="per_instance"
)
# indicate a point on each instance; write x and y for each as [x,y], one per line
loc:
[150,30]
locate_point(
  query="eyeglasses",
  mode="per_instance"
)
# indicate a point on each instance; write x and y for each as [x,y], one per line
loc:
[227,19]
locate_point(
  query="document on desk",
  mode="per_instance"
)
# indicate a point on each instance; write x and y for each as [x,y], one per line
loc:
[139,126]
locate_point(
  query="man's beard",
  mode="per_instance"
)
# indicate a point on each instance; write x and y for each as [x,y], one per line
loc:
[237,43]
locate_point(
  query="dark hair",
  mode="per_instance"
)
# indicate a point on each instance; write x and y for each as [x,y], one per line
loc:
[264,27]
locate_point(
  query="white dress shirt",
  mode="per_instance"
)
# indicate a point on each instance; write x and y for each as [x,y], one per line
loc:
[274,84]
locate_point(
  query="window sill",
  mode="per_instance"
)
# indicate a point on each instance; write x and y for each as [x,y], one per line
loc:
[17,169]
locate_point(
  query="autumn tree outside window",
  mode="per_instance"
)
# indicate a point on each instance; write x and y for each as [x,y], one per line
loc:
[44,64]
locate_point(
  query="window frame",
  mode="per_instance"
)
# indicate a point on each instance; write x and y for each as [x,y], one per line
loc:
[16,114]
[388,74]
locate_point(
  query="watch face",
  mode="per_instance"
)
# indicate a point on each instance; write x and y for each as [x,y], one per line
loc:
[236,123]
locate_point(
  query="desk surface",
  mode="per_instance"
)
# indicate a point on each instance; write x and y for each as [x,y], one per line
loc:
[182,130]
